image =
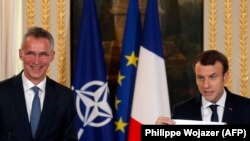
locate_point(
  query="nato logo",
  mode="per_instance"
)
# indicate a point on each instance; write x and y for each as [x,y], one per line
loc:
[92,105]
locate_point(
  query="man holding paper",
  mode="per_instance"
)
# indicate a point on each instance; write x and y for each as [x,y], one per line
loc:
[215,102]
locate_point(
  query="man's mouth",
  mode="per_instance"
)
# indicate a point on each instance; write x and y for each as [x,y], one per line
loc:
[208,93]
[36,67]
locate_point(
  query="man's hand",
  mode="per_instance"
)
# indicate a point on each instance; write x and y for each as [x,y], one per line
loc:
[164,121]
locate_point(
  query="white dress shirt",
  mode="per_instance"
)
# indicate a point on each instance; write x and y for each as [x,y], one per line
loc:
[29,93]
[206,112]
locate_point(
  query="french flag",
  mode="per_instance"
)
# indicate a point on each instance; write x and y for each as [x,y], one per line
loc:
[151,97]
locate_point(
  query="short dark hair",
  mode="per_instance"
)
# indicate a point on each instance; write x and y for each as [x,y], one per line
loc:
[210,57]
[39,32]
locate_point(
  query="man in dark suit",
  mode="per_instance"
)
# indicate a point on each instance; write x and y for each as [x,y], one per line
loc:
[33,107]
[211,71]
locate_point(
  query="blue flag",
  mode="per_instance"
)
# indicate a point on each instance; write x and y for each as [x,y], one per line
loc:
[95,119]
[128,67]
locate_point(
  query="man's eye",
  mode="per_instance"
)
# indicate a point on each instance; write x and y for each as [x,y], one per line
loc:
[199,78]
[44,54]
[30,54]
[213,77]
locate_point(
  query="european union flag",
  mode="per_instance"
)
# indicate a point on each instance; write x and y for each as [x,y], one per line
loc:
[95,119]
[128,67]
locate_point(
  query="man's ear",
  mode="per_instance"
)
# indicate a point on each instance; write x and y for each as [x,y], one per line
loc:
[20,54]
[226,76]
[52,55]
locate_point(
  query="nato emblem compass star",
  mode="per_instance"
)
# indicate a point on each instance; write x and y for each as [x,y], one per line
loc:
[96,105]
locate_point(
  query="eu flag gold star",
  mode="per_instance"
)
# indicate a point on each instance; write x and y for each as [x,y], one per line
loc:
[120,77]
[117,102]
[120,125]
[132,59]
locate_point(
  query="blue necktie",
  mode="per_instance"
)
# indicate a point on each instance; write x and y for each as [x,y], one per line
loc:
[35,111]
[214,116]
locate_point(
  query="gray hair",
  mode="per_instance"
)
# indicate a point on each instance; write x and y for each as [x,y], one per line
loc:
[39,32]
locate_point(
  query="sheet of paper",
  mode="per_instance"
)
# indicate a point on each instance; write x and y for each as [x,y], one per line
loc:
[196,122]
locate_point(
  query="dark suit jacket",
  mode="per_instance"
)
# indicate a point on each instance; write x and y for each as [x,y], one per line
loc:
[57,122]
[237,109]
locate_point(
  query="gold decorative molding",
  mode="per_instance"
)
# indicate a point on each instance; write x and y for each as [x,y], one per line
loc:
[30,13]
[228,38]
[243,48]
[61,65]
[46,14]
[46,20]
[212,24]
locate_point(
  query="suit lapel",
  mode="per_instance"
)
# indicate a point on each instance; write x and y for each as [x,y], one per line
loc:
[197,113]
[228,110]
[17,94]
[48,106]
[197,108]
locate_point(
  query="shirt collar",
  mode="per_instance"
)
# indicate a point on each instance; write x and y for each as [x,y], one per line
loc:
[27,84]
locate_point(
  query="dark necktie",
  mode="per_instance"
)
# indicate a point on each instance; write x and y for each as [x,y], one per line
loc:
[35,111]
[214,116]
